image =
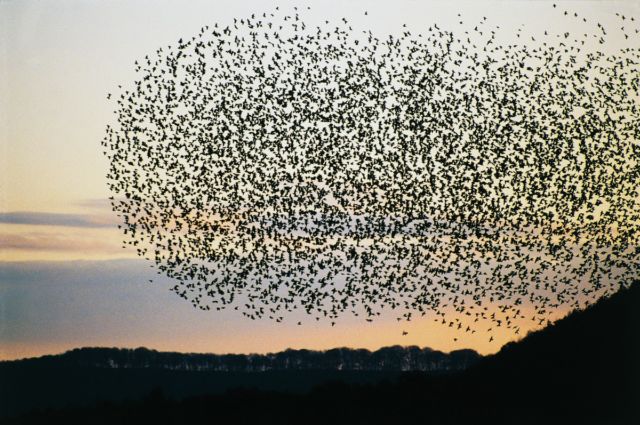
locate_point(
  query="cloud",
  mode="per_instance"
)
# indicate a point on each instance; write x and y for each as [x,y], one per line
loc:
[56,219]
[57,242]
[60,236]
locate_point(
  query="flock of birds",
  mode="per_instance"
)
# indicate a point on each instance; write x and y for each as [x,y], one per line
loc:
[270,165]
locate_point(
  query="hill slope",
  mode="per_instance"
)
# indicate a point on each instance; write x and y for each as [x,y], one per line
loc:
[583,368]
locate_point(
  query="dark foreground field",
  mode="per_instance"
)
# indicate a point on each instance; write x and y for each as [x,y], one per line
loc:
[584,369]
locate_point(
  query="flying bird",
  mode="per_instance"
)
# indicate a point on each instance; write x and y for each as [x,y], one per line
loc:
[274,166]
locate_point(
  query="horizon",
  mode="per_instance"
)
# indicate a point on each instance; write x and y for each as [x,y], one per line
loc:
[239,354]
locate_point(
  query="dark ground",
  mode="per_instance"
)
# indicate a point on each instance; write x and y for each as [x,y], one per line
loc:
[584,369]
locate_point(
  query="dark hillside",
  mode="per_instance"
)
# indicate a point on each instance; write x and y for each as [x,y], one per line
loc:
[583,368]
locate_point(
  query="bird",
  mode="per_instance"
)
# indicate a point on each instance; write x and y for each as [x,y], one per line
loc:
[274,166]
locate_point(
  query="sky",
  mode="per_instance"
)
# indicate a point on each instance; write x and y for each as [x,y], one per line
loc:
[65,280]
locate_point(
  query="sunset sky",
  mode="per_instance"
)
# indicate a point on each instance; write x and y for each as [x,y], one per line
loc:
[65,280]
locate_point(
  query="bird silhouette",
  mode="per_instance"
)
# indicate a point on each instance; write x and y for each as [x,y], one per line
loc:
[269,165]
